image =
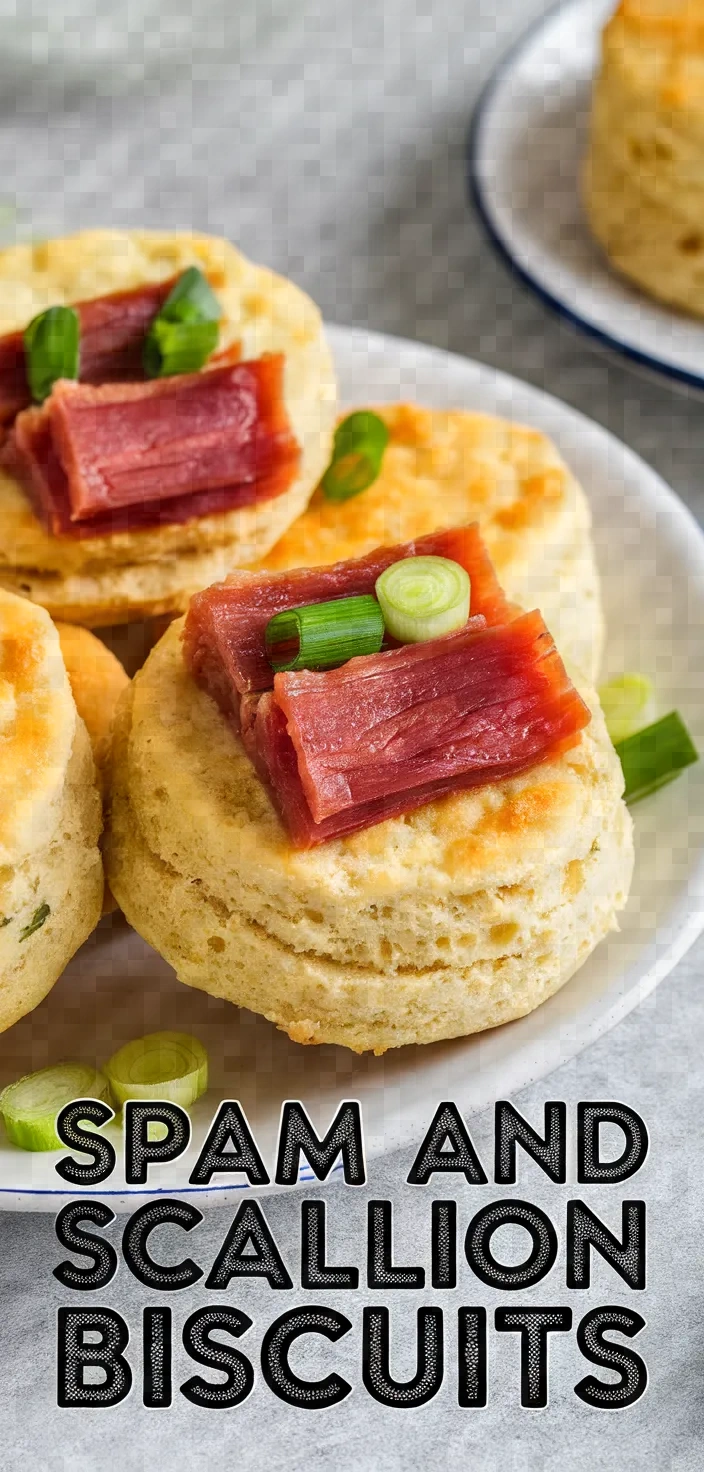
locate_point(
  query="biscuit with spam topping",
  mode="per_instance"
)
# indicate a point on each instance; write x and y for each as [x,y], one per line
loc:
[446,468]
[113,579]
[461,915]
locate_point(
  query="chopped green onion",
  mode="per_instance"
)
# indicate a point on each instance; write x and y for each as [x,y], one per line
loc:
[178,347]
[36,921]
[163,1065]
[185,329]
[30,1106]
[655,755]
[51,349]
[320,636]
[192,299]
[358,450]
[5,920]
[423,598]
[627,705]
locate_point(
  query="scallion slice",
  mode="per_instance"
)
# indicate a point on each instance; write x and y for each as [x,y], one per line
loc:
[178,347]
[185,330]
[627,703]
[320,636]
[29,1107]
[51,349]
[358,451]
[655,755]
[163,1065]
[423,598]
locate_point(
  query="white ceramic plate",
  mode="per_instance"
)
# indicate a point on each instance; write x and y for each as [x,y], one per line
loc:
[651,554]
[526,148]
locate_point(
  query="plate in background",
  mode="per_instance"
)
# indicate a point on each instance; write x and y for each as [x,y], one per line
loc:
[651,554]
[526,146]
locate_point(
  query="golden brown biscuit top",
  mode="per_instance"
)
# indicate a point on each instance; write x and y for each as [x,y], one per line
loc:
[37,726]
[441,468]
[659,46]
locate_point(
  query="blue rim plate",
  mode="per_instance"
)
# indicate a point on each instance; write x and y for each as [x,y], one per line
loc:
[525,144]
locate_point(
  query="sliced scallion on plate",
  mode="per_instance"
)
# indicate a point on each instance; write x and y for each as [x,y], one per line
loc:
[655,755]
[358,451]
[164,1065]
[423,598]
[320,636]
[627,703]
[29,1107]
[51,349]
[185,329]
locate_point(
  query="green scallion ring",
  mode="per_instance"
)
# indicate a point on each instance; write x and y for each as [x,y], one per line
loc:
[29,1107]
[627,703]
[358,452]
[178,347]
[52,346]
[655,755]
[185,330]
[163,1065]
[423,598]
[321,636]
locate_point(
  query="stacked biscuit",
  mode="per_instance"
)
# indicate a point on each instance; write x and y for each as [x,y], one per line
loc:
[644,178]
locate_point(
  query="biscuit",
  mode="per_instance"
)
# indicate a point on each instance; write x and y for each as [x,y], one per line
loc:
[107,580]
[461,915]
[97,681]
[644,174]
[447,468]
[51,877]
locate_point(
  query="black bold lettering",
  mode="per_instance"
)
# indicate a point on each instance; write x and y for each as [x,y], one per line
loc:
[68,1129]
[156,1348]
[471,1357]
[140,1151]
[163,1212]
[249,1229]
[103,1266]
[344,1137]
[549,1151]
[601,1351]
[533,1325]
[591,1169]
[376,1352]
[310,1395]
[75,1355]
[448,1127]
[229,1128]
[444,1244]
[514,1213]
[315,1272]
[381,1272]
[585,1230]
[199,1344]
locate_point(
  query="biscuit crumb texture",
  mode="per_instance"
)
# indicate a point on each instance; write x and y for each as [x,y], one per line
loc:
[644,174]
[154,571]
[51,876]
[452,919]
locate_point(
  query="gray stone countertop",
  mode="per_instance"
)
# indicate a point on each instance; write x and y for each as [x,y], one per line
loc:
[328,141]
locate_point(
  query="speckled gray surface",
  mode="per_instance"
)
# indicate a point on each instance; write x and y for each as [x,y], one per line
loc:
[329,142]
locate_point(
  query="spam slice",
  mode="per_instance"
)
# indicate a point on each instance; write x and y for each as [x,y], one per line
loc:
[144,570]
[461,915]
[51,875]
[446,468]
